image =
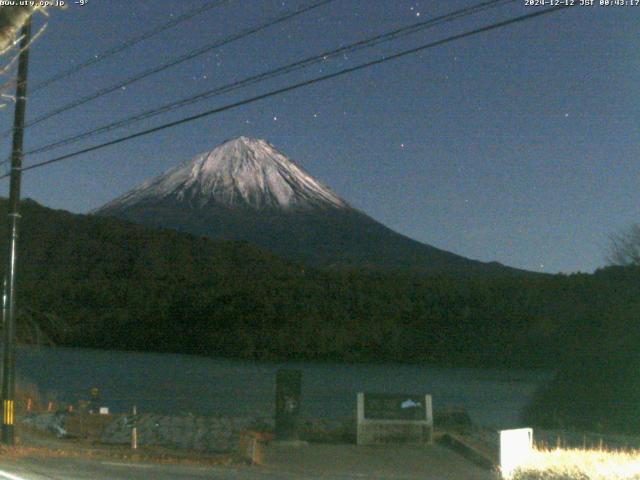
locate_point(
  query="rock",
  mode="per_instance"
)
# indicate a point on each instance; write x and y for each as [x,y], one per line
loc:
[48,422]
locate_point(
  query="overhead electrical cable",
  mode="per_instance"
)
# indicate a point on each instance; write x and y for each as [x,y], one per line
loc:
[177,61]
[128,44]
[301,64]
[296,86]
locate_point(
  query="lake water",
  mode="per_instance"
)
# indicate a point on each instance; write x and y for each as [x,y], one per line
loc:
[167,383]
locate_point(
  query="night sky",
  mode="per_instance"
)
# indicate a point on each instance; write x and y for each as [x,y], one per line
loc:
[519,145]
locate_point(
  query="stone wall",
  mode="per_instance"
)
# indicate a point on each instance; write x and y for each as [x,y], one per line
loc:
[204,434]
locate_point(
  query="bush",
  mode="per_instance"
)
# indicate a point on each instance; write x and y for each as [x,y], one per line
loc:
[597,387]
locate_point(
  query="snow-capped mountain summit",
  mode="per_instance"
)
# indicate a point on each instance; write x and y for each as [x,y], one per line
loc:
[246,190]
[243,172]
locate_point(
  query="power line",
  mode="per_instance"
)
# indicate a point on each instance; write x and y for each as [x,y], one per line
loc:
[173,63]
[296,86]
[128,44]
[307,62]
[299,85]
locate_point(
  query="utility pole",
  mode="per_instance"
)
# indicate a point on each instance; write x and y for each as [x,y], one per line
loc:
[9,293]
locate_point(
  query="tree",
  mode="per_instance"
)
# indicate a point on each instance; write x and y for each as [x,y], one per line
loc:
[625,247]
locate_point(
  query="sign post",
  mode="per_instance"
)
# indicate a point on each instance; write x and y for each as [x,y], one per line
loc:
[94,402]
[288,386]
[394,418]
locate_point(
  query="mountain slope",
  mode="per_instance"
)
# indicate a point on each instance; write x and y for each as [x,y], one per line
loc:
[246,190]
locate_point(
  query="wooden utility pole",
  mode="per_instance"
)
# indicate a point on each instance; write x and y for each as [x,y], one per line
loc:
[9,293]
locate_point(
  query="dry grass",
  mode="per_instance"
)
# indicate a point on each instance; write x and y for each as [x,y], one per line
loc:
[576,464]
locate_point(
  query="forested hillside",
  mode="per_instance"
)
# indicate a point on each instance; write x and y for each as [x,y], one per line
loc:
[100,282]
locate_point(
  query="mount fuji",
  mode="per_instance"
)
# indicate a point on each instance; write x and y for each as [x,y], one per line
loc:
[246,190]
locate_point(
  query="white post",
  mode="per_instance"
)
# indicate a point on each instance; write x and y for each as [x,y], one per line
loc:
[134,431]
[428,405]
[360,419]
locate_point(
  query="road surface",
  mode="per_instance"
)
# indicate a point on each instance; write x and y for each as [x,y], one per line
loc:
[317,462]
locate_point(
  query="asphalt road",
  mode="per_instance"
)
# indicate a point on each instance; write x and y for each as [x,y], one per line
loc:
[321,462]
[80,469]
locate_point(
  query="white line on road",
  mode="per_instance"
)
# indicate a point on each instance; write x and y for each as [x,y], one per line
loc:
[122,464]
[10,476]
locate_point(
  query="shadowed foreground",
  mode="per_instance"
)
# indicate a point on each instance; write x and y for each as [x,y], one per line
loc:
[311,462]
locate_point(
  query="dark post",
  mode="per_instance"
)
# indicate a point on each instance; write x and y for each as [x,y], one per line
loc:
[288,384]
[9,293]
[94,402]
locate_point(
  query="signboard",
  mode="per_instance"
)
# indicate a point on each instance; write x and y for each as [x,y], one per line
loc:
[394,418]
[94,400]
[515,448]
[379,406]
[288,386]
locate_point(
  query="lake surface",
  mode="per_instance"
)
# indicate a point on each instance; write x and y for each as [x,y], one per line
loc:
[171,384]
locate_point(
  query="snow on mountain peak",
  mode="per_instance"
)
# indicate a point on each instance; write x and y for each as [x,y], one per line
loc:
[240,172]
